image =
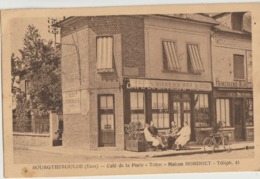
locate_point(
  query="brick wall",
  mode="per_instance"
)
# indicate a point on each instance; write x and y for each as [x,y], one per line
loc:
[79,72]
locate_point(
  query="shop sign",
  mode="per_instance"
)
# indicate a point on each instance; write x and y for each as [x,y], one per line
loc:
[234,84]
[237,94]
[71,102]
[168,85]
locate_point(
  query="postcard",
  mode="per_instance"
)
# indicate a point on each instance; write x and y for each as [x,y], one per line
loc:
[130,90]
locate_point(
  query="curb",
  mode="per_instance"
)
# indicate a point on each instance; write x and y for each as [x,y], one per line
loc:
[132,156]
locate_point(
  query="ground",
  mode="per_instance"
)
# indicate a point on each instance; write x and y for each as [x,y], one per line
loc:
[32,157]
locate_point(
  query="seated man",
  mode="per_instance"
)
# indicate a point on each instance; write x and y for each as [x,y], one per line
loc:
[172,135]
[156,141]
[183,136]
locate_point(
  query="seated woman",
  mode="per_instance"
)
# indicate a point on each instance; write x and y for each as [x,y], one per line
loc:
[172,135]
[183,136]
[156,140]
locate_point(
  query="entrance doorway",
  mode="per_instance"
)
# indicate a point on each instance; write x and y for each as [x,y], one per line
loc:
[238,117]
[106,121]
[182,110]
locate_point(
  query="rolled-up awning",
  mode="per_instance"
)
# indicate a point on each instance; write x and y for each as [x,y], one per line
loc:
[195,59]
[171,56]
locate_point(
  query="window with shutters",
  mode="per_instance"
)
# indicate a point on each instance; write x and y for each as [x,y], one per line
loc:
[105,54]
[195,64]
[171,62]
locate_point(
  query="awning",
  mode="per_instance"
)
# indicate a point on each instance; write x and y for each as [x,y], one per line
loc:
[196,62]
[171,56]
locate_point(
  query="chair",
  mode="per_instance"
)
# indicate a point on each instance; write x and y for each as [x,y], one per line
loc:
[148,145]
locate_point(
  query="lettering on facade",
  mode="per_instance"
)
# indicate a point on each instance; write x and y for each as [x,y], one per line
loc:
[71,102]
[168,85]
[234,94]
[234,84]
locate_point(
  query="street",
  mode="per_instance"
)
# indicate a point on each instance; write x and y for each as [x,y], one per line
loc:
[22,156]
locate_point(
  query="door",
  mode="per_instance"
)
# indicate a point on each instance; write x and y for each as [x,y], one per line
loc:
[238,117]
[181,110]
[106,121]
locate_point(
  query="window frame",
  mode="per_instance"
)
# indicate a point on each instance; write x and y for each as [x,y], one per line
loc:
[106,70]
[189,63]
[157,111]
[230,111]
[244,68]
[138,111]
[209,110]
[247,111]
[103,111]
[164,56]
[236,16]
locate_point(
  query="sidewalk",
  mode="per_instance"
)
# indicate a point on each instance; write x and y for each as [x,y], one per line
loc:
[193,149]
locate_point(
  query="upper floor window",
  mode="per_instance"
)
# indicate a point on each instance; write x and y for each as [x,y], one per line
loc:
[171,62]
[195,64]
[237,21]
[105,54]
[238,61]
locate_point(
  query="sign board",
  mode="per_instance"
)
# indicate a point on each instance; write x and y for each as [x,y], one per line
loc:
[168,85]
[234,84]
[235,94]
[71,102]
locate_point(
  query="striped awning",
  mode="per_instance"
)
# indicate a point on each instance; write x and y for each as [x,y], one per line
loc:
[196,62]
[171,56]
[104,54]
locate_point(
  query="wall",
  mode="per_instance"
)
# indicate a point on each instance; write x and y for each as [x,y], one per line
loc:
[30,139]
[224,45]
[182,33]
[79,73]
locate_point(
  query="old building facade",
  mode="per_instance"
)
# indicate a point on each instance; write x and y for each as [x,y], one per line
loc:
[232,74]
[118,69]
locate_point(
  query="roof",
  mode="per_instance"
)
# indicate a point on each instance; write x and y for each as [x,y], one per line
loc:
[247,22]
[193,17]
[190,17]
[225,29]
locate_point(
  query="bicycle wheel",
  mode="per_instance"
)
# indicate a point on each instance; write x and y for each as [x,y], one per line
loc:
[226,144]
[208,144]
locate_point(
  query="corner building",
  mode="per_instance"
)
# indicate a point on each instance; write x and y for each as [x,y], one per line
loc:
[117,69]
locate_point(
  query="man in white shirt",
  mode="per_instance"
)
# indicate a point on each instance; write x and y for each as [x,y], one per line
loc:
[184,135]
[156,140]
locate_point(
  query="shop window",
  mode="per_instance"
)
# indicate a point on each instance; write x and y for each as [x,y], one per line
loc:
[223,112]
[201,111]
[160,110]
[249,113]
[107,112]
[195,64]
[171,62]
[105,54]
[238,61]
[137,107]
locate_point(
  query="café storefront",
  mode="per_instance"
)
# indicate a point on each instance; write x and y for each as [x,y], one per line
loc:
[164,101]
[234,107]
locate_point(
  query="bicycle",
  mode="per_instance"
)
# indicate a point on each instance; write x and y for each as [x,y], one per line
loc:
[214,141]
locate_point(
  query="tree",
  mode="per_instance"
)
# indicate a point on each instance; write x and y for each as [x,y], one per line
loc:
[40,65]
